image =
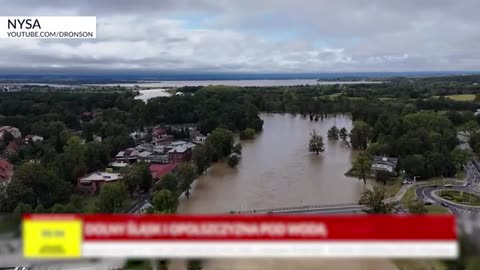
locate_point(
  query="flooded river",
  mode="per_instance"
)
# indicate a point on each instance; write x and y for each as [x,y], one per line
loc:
[278,171]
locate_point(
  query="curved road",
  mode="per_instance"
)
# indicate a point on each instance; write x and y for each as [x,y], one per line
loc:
[470,184]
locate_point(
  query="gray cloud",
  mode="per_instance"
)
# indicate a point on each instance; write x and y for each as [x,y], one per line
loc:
[255,36]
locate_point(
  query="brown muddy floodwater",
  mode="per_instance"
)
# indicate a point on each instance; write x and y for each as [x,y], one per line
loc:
[277,170]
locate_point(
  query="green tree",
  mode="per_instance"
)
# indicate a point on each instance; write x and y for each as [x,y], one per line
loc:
[132,180]
[471,127]
[16,193]
[64,208]
[359,135]
[165,201]
[44,186]
[416,207]
[333,133]
[315,144]
[97,155]
[233,161]
[143,170]
[460,156]
[374,200]
[220,143]
[247,134]
[168,182]
[111,198]
[409,108]
[414,165]
[362,166]
[40,209]
[343,134]
[200,158]
[75,150]
[186,173]
[383,176]
[23,208]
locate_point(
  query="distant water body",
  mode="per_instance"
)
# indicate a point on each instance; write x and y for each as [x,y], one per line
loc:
[258,83]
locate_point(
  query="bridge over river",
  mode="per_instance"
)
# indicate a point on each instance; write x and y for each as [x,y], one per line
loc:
[308,209]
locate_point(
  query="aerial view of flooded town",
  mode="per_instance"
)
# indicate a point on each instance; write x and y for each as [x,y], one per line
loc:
[240,109]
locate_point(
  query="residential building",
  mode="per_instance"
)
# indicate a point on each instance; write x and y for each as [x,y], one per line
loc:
[144,156]
[94,181]
[6,172]
[33,139]
[138,135]
[128,155]
[199,139]
[116,166]
[160,170]
[145,147]
[12,130]
[180,154]
[381,163]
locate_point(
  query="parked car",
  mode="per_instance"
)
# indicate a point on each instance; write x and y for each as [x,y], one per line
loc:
[434,185]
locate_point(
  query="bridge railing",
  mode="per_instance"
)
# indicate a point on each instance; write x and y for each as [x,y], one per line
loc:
[302,207]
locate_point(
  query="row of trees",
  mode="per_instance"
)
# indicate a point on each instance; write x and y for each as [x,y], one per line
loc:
[423,141]
[334,133]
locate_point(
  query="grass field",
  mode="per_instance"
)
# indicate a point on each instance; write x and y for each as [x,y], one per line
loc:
[436,209]
[460,197]
[463,97]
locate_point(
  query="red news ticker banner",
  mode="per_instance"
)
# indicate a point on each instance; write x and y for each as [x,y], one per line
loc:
[216,236]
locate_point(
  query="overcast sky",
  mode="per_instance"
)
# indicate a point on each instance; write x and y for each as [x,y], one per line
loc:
[255,36]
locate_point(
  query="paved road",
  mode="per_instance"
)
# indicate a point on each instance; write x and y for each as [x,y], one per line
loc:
[470,184]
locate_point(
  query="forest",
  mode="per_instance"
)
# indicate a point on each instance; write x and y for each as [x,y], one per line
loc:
[409,119]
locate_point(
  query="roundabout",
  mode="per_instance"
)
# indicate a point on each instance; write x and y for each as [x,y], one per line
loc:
[459,197]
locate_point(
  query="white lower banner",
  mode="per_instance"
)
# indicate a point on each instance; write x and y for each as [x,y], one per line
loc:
[330,249]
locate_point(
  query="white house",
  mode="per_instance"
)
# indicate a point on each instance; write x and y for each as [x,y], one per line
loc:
[387,164]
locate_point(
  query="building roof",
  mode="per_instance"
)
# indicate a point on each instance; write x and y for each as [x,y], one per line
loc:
[6,170]
[389,161]
[177,143]
[119,164]
[101,176]
[160,170]
[180,149]
[144,154]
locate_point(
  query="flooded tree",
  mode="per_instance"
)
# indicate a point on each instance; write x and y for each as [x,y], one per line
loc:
[333,133]
[316,143]
[362,166]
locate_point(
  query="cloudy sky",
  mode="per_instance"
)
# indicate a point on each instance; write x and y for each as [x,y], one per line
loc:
[254,36]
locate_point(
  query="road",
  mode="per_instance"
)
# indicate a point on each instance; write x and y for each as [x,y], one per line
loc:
[470,184]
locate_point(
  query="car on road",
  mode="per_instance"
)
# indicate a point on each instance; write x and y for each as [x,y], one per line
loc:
[444,204]
[427,202]
[466,184]
[448,185]
[434,185]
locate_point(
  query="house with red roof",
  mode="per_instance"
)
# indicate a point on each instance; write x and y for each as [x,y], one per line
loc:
[6,172]
[160,170]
